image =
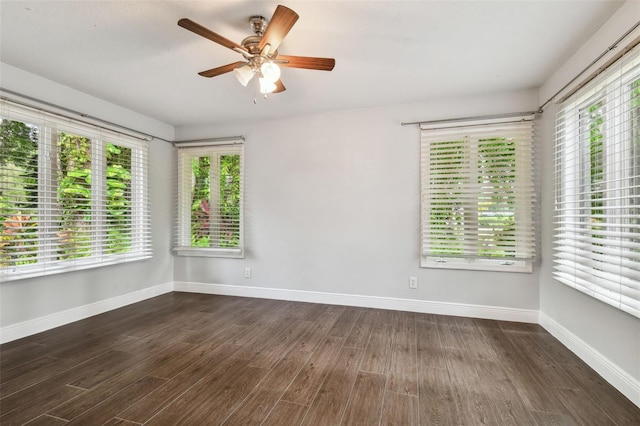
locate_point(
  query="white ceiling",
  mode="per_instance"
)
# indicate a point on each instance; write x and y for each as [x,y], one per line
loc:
[132,53]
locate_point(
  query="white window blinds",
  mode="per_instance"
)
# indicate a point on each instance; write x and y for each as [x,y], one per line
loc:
[477,196]
[597,208]
[210,200]
[72,196]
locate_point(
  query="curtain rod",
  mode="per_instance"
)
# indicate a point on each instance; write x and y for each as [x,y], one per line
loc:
[229,140]
[477,117]
[71,111]
[602,55]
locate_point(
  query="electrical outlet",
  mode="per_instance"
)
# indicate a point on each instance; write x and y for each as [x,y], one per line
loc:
[413,282]
[247,272]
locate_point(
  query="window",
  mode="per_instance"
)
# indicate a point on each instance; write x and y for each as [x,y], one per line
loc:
[597,196]
[477,196]
[72,196]
[210,198]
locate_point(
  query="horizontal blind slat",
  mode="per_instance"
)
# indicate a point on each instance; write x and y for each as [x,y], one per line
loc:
[81,196]
[477,191]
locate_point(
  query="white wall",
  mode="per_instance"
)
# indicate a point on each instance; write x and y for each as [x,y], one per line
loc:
[332,205]
[30,299]
[612,335]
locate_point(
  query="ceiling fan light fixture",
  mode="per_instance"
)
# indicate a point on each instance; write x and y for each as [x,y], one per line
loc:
[260,51]
[266,86]
[270,71]
[243,74]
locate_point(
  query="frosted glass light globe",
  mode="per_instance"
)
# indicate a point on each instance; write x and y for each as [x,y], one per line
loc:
[266,86]
[270,71]
[243,74]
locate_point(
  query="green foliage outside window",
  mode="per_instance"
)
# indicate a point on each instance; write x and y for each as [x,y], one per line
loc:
[494,205]
[635,155]
[201,201]
[77,222]
[74,196]
[18,186]
[594,205]
[596,164]
[229,201]
[215,222]
[447,220]
[118,184]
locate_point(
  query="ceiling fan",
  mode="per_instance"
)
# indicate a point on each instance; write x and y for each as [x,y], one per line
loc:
[261,57]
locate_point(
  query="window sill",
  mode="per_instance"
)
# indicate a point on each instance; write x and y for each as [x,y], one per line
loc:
[496,265]
[58,267]
[232,253]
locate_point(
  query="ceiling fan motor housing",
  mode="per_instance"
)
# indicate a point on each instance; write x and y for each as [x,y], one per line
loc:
[258,25]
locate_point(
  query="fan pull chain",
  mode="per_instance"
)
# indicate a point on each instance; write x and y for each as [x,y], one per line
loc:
[256,88]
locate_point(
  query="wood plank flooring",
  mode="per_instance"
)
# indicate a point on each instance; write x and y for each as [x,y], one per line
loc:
[192,359]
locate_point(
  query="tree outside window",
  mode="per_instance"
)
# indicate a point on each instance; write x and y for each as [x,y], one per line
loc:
[68,200]
[210,201]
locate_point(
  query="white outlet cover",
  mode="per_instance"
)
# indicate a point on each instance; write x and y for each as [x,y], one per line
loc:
[413,282]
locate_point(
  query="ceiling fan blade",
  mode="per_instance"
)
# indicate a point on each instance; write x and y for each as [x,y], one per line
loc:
[221,70]
[207,33]
[279,87]
[306,62]
[281,22]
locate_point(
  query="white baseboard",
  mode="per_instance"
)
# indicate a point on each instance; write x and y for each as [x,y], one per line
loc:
[618,378]
[626,384]
[411,305]
[38,325]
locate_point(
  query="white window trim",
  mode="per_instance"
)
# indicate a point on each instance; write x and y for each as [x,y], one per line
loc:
[616,289]
[49,125]
[497,265]
[182,237]
[210,252]
[516,265]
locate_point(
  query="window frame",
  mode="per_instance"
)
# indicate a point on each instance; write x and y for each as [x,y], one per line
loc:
[49,128]
[584,267]
[523,212]
[182,233]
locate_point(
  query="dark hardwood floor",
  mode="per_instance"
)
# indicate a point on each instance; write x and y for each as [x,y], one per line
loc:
[203,360]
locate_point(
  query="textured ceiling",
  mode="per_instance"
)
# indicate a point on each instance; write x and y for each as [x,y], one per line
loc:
[132,53]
